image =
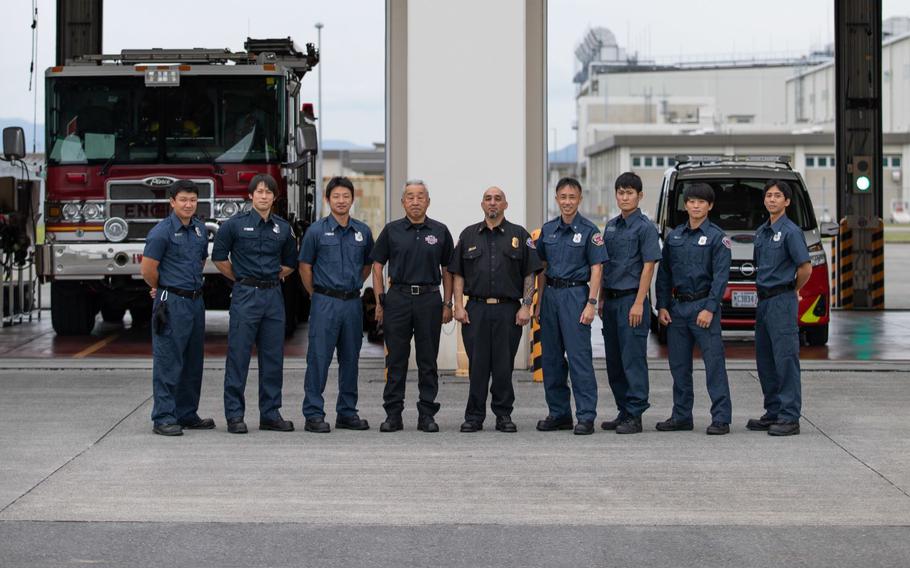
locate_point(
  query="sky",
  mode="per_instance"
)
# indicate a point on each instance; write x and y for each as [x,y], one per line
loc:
[353,43]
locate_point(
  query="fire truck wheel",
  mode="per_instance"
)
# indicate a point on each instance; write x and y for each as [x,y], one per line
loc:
[73,308]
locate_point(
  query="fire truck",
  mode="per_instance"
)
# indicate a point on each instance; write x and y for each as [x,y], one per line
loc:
[122,128]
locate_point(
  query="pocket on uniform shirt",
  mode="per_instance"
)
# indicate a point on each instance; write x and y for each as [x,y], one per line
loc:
[329,251]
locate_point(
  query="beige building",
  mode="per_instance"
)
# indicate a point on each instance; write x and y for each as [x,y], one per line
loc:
[366,169]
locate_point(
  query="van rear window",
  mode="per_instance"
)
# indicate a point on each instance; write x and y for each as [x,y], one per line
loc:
[739,204]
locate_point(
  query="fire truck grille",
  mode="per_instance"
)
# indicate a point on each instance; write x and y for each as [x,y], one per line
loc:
[138,191]
[143,205]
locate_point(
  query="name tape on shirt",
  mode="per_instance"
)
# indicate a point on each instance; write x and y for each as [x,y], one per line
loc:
[249,229]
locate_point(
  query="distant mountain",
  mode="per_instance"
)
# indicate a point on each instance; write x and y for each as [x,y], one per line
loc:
[567,154]
[329,144]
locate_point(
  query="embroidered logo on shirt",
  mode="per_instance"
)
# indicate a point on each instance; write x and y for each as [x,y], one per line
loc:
[776,237]
[531,244]
[702,240]
[727,242]
[597,239]
[514,242]
[431,239]
[576,238]
[358,236]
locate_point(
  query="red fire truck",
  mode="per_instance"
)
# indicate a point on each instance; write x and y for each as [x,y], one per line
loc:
[122,128]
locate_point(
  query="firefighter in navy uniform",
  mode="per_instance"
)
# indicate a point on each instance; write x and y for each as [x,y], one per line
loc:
[783,267]
[690,288]
[256,249]
[334,262]
[572,250]
[175,252]
[494,265]
[417,249]
[633,247]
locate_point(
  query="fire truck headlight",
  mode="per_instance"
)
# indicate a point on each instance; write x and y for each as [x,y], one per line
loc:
[115,229]
[93,211]
[71,211]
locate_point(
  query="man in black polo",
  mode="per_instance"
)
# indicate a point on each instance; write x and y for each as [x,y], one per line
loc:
[494,266]
[417,249]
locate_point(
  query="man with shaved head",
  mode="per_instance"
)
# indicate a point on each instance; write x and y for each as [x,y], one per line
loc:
[494,265]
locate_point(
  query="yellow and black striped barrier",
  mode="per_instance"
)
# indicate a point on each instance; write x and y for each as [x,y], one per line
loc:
[845,265]
[835,296]
[536,349]
[877,279]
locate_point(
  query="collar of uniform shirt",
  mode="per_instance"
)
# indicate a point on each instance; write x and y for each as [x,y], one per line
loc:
[412,225]
[776,226]
[704,225]
[498,227]
[633,217]
[177,224]
[334,225]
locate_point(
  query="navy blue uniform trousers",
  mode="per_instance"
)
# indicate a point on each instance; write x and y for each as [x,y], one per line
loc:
[257,317]
[177,352]
[626,353]
[777,356]
[334,323]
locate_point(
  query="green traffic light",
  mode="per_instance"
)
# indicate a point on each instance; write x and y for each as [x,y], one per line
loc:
[863,183]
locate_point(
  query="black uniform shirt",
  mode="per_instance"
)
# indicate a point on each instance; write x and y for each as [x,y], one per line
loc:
[494,262]
[414,252]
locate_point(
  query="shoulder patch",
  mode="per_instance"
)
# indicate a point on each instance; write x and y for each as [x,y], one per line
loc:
[727,242]
[531,243]
[597,239]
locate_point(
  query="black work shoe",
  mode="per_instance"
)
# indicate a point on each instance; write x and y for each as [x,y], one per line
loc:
[236,425]
[427,424]
[761,424]
[671,425]
[352,422]
[168,429]
[392,424]
[317,424]
[277,425]
[584,427]
[718,429]
[611,424]
[471,426]
[784,429]
[505,424]
[199,424]
[629,425]
[551,423]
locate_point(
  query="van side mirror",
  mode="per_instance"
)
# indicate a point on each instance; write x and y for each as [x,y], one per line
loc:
[828,229]
[305,139]
[13,143]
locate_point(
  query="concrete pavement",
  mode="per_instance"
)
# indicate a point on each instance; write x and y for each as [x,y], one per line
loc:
[79,465]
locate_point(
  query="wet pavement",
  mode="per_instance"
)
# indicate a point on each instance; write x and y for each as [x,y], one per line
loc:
[862,336]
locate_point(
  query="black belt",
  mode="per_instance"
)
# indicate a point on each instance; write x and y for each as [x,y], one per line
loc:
[259,283]
[483,300]
[416,289]
[560,283]
[340,294]
[765,293]
[611,294]
[191,294]
[691,297]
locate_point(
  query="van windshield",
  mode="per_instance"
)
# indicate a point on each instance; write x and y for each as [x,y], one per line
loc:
[739,204]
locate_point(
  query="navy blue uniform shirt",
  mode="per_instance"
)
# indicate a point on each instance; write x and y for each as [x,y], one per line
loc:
[630,242]
[694,260]
[258,248]
[494,262]
[338,254]
[414,252]
[180,250]
[571,250]
[779,249]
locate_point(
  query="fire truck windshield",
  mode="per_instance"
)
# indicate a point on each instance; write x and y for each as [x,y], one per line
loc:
[225,119]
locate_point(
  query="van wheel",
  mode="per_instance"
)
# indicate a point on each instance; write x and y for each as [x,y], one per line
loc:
[816,335]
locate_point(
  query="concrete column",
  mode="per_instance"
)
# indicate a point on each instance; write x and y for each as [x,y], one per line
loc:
[473,113]
[905,176]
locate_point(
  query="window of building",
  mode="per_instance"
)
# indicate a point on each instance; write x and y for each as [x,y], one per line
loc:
[636,161]
[810,161]
[895,161]
[822,161]
[649,161]
[659,161]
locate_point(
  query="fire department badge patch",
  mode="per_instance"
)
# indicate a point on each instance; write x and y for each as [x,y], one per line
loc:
[198,233]
[702,240]
[514,242]
[597,239]
[276,229]
[358,236]
[727,242]
[431,239]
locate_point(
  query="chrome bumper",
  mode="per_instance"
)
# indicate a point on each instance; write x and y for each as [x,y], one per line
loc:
[94,261]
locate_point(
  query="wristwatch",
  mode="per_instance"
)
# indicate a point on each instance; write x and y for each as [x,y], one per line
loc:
[592,301]
[448,304]
[526,302]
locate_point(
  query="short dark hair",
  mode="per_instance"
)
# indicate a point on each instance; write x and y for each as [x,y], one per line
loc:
[268,180]
[184,185]
[339,181]
[568,182]
[783,186]
[699,191]
[628,179]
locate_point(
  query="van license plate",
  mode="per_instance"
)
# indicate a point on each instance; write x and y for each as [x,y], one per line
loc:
[743,299]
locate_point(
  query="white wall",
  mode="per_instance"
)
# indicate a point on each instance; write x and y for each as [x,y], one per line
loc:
[466,113]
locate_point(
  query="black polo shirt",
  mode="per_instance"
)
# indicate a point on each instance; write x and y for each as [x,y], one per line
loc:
[494,263]
[414,252]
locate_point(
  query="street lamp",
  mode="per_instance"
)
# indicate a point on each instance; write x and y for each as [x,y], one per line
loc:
[321,153]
